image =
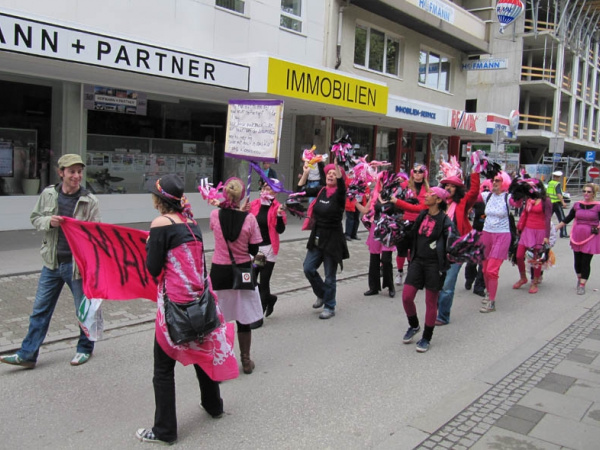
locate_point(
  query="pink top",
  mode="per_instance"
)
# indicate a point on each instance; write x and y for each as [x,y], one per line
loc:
[536,219]
[250,234]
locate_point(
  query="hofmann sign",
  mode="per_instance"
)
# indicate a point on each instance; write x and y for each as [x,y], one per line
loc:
[307,83]
[438,8]
[32,37]
[485,64]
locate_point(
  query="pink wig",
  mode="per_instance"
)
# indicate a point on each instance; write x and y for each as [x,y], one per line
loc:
[486,183]
[506,180]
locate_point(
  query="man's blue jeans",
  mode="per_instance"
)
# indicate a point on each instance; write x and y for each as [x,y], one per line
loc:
[447,293]
[352,223]
[49,288]
[312,184]
[322,289]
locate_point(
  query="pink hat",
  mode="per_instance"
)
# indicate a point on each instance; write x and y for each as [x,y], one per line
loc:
[441,193]
[456,181]
[331,166]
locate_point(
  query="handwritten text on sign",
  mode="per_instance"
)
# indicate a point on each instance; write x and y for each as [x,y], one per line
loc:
[111,259]
[253,129]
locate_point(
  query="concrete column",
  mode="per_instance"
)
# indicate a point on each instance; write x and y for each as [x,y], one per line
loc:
[560,60]
[573,102]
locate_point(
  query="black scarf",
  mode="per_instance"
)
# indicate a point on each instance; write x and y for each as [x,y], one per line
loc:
[231,221]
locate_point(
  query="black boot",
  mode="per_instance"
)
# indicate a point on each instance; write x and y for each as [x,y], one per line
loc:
[271,304]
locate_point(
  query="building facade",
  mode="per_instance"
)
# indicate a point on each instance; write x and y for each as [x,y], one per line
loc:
[552,70]
[141,88]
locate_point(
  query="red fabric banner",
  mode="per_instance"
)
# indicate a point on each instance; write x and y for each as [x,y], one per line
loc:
[111,259]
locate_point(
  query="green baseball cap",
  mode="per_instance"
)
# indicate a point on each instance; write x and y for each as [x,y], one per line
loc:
[68,160]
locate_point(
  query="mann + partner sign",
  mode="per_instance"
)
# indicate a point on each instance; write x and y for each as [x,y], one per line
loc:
[55,41]
[307,83]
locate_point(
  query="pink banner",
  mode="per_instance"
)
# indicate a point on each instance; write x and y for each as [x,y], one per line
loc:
[111,259]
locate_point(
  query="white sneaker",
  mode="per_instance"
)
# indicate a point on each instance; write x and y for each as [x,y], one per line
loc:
[398,279]
[486,298]
[80,358]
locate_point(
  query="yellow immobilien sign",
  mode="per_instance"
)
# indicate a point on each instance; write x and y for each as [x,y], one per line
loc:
[307,83]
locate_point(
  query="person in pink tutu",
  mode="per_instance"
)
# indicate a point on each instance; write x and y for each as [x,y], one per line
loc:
[584,234]
[380,259]
[534,231]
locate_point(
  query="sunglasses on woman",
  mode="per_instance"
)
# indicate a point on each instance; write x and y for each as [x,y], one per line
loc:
[585,191]
[498,180]
[419,171]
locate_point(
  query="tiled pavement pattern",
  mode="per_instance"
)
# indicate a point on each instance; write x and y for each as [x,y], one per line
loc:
[551,401]
[17,294]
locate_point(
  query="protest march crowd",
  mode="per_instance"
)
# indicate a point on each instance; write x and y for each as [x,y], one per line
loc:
[466,219]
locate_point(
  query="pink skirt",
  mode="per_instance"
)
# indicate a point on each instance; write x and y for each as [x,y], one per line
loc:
[530,237]
[582,239]
[495,245]
[376,246]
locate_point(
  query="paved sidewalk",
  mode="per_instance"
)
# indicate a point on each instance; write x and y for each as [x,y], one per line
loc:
[549,401]
[17,291]
[545,395]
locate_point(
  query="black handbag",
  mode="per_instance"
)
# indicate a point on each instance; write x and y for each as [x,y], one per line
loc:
[191,321]
[244,278]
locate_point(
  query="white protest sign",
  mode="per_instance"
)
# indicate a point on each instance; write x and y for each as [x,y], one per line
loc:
[253,129]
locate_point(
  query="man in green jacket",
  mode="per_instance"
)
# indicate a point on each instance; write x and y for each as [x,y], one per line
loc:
[66,199]
[554,191]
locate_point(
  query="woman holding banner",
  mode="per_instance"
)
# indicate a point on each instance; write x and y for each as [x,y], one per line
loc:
[271,220]
[237,236]
[175,255]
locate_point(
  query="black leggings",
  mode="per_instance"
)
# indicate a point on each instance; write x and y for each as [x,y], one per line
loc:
[243,328]
[388,271]
[264,285]
[583,262]
[165,418]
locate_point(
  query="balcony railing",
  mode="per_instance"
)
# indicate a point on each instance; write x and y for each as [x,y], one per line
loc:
[537,74]
[531,122]
[562,128]
[566,84]
[541,26]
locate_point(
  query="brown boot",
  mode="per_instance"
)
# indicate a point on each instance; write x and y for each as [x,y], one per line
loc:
[245,340]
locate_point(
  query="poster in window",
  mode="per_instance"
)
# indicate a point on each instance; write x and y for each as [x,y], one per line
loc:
[139,163]
[189,149]
[192,164]
[254,129]
[6,159]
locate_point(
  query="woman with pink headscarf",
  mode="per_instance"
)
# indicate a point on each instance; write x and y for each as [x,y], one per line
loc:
[495,236]
[327,243]
[428,264]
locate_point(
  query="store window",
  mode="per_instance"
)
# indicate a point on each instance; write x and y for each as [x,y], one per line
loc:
[376,50]
[291,15]
[434,71]
[25,136]
[233,5]
[361,135]
[128,152]
[385,149]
